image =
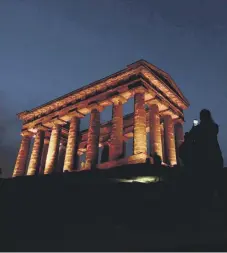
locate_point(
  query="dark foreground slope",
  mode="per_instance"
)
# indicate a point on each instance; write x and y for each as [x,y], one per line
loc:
[93,212]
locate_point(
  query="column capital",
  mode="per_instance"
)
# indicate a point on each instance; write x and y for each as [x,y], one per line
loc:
[74,113]
[96,106]
[38,131]
[42,127]
[178,121]
[168,115]
[32,130]
[27,133]
[57,121]
[67,115]
[139,90]
[154,101]
[118,99]
[55,124]
[153,105]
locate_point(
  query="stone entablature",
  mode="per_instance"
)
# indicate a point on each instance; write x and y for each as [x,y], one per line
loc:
[58,121]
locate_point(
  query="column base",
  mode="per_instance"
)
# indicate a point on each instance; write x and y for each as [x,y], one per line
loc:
[133,159]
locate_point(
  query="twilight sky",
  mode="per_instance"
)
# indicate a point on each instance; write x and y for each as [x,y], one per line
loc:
[51,47]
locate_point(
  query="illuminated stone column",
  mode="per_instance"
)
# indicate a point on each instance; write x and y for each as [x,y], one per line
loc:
[116,138]
[34,163]
[72,144]
[22,157]
[169,140]
[155,131]
[140,135]
[44,155]
[93,140]
[61,157]
[179,135]
[52,154]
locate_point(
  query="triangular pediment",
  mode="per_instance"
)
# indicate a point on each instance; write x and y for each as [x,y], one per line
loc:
[162,75]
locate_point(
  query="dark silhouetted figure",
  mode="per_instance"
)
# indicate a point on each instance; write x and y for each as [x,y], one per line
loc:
[205,160]
[206,150]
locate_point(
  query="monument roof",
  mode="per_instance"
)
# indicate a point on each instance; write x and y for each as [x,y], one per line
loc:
[159,74]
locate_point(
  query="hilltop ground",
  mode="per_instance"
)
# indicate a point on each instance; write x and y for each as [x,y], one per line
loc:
[95,212]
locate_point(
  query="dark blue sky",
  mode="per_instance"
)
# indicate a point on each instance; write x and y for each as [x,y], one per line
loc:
[51,47]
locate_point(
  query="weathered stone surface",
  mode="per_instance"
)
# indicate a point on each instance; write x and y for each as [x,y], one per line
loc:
[116,139]
[22,157]
[52,154]
[169,140]
[72,144]
[93,140]
[140,136]
[44,156]
[155,131]
[36,153]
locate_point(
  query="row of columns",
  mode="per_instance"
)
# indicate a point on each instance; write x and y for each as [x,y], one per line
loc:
[44,157]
